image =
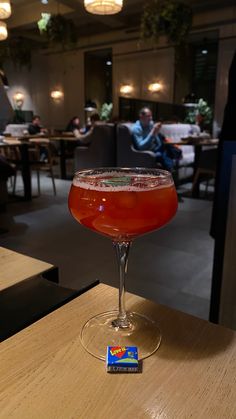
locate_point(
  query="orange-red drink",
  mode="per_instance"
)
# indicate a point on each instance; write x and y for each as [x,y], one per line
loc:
[122,207]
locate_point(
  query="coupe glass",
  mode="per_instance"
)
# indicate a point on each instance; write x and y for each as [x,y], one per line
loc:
[122,204]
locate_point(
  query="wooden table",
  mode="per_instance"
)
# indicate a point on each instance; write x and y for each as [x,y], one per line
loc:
[197,144]
[63,139]
[16,268]
[45,372]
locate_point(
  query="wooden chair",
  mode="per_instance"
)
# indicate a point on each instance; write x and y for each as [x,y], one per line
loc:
[42,164]
[206,168]
[37,163]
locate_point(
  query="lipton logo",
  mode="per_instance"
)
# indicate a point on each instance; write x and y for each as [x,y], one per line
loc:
[118,351]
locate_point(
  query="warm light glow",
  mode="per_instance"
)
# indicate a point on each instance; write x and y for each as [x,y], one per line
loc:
[155,87]
[56,94]
[3,31]
[18,96]
[103,7]
[126,89]
[18,99]
[5,9]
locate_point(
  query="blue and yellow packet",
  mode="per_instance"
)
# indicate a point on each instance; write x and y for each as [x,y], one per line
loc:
[122,359]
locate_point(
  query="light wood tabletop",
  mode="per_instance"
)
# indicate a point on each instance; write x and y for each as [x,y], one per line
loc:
[15,267]
[45,372]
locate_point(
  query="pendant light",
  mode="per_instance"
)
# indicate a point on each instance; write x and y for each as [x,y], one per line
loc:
[5,9]
[3,31]
[103,7]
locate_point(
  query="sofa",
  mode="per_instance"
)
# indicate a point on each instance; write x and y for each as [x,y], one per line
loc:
[101,150]
[175,132]
[16,130]
[126,154]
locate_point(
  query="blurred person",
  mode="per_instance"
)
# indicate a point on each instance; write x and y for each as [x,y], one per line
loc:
[73,126]
[35,127]
[147,136]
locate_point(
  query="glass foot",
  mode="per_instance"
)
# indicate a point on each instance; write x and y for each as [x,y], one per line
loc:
[100,331]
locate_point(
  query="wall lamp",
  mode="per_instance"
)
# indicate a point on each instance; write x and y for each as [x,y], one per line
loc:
[126,89]
[155,87]
[18,99]
[57,95]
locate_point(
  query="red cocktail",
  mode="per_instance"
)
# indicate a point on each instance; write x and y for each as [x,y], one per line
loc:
[122,204]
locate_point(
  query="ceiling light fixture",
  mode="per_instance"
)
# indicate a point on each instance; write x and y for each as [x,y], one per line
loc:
[190,100]
[3,31]
[5,9]
[90,106]
[103,7]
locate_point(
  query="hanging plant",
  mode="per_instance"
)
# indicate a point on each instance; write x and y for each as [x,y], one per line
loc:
[106,111]
[18,50]
[58,29]
[172,18]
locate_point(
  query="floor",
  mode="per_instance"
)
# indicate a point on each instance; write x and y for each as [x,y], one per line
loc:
[171,266]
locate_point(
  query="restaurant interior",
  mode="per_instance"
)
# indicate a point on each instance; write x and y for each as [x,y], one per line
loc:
[104,61]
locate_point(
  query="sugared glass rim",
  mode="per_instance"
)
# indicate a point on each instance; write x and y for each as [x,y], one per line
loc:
[135,170]
[145,174]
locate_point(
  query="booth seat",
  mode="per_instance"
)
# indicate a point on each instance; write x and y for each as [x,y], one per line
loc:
[126,154]
[176,132]
[101,150]
[16,130]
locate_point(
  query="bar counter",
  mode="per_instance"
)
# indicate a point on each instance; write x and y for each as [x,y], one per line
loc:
[46,373]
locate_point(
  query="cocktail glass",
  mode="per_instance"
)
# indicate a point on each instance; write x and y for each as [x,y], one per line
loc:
[122,204]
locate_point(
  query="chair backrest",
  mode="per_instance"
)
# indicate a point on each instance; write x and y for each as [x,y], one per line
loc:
[127,155]
[101,152]
[36,146]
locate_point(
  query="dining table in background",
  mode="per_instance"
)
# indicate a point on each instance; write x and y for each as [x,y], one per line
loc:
[46,373]
[198,145]
[63,139]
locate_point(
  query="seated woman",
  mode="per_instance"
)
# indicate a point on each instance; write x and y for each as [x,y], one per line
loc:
[83,137]
[74,126]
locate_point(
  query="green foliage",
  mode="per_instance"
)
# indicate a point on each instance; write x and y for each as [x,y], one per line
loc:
[59,30]
[18,50]
[42,23]
[105,112]
[172,18]
[203,111]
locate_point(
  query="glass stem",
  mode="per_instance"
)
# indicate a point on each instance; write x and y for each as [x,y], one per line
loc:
[122,252]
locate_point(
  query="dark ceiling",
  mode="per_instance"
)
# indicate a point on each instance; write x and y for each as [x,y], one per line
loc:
[87,24]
